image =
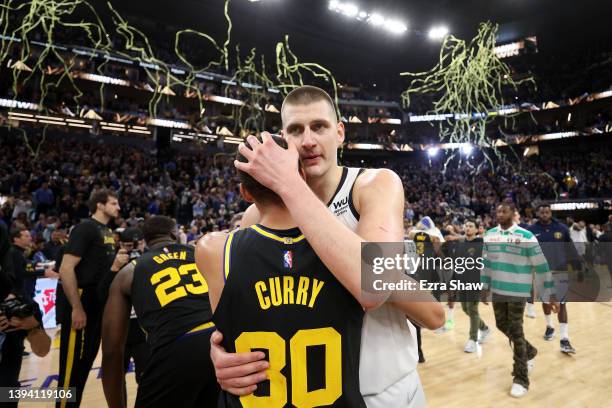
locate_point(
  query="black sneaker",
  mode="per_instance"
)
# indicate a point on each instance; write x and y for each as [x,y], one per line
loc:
[550,333]
[566,347]
[421,357]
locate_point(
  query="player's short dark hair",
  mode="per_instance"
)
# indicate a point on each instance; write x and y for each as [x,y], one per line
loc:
[543,205]
[308,94]
[158,226]
[259,192]
[508,204]
[100,197]
[16,232]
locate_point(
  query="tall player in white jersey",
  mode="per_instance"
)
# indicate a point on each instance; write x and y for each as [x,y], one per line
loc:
[362,206]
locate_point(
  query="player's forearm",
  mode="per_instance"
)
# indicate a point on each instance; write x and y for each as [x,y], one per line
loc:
[429,315]
[112,378]
[70,286]
[336,245]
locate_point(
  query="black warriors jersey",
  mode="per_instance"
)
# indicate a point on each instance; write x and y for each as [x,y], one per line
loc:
[169,294]
[279,298]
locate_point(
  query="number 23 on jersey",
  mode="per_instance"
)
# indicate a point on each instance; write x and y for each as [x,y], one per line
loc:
[171,286]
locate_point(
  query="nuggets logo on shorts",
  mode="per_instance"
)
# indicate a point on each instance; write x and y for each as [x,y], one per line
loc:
[288,259]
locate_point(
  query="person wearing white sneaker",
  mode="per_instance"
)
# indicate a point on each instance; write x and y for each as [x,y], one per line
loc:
[518,390]
[531,313]
[471,346]
[470,248]
[560,252]
[513,260]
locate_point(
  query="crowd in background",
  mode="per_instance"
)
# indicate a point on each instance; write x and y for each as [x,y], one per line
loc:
[50,193]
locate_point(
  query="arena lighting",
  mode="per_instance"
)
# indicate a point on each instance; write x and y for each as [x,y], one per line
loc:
[395,26]
[376,20]
[437,33]
[27,115]
[433,151]
[11,103]
[365,146]
[351,10]
[467,149]
[81,125]
[574,206]
[168,123]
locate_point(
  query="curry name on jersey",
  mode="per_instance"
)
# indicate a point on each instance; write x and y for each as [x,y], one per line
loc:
[279,298]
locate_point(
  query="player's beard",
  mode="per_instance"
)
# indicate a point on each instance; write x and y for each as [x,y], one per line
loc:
[110,216]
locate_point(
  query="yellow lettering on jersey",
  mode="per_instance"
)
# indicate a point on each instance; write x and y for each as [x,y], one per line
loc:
[288,290]
[279,291]
[275,291]
[264,301]
[302,292]
[109,240]
[317,285]
[161,258]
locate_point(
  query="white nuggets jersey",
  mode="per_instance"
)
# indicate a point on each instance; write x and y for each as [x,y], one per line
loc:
[388,340]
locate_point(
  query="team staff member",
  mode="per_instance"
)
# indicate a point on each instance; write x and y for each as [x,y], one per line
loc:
[560,252]
[170,298]
[88,255]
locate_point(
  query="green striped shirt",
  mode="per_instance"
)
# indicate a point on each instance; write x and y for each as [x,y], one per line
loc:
[513,260]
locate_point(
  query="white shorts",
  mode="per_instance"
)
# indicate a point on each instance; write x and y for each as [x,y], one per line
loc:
[406,393]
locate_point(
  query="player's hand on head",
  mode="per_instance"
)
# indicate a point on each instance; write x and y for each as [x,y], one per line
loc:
[237,373]
[270,164]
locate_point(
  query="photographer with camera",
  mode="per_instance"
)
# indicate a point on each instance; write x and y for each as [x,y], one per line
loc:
[20,319]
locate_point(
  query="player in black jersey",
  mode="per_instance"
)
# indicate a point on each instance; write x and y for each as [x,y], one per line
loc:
[427,247]
[170,298]
[271,293]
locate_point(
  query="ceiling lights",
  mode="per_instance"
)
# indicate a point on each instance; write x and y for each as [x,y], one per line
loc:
[351,10]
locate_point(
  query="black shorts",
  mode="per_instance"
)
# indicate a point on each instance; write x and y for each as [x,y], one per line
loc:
[180,374]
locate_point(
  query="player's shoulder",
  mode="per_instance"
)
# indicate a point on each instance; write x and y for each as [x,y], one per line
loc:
[212,242]
[375,181]
[524,232]
[491,231]
[382,175]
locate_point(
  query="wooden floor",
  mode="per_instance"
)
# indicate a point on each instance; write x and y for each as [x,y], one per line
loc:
[453,378]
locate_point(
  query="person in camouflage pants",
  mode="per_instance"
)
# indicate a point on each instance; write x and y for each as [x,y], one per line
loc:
[509,320]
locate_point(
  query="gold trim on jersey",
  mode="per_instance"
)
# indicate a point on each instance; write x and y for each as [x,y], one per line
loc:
[226,254]
[284,240]
[203,326]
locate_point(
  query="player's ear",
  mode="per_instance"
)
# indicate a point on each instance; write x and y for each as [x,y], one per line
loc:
[341,132]
[246,195]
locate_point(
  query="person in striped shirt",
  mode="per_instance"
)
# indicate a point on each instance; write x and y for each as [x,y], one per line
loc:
[513,262]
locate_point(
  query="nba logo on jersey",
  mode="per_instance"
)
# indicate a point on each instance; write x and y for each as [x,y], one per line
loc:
[288,259]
